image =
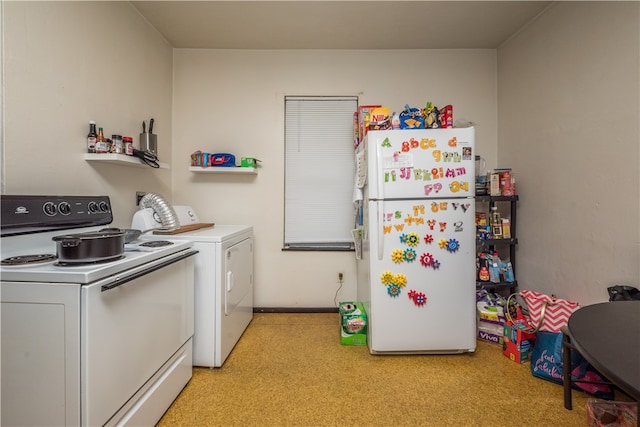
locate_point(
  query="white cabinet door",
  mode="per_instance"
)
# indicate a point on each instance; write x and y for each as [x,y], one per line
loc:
[40,354]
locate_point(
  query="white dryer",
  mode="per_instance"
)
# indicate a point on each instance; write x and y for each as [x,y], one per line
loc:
[223,282]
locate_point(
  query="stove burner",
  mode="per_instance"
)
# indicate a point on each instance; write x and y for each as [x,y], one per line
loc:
[156,243]
[83,264]
[29,259]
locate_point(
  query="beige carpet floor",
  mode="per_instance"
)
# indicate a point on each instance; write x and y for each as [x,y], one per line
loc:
[291,370]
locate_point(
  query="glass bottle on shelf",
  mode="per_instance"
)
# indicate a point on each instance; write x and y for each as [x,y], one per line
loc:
[91,137]
[101,142]
[496,223]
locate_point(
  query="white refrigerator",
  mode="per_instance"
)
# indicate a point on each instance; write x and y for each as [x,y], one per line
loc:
[416,259]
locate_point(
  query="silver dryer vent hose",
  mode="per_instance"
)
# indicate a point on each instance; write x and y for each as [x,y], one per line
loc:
[165,211]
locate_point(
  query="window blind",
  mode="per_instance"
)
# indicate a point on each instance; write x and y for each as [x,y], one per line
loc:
[319,172]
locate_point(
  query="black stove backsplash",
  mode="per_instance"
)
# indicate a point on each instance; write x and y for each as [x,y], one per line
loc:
[27,214]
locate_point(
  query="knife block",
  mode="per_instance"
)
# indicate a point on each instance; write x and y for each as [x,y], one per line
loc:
[149,142]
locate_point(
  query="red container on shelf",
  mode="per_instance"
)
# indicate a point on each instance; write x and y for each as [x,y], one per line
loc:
[507,183]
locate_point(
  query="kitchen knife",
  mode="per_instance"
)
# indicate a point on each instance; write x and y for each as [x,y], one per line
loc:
[144,127]
[151,125]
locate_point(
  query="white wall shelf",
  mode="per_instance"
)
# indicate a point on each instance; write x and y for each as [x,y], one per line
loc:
[219,169]
[119,159]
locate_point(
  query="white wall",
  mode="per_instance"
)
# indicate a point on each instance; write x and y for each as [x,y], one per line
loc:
[566,88]
[233,101]
[66,63]
[568,109]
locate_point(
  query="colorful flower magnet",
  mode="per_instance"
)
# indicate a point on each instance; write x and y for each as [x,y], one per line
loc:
[386,278]
[418,298]
[426,259]
[403,238]
[453,245]
[400,280]
[435,264]
[397,256]
[428,239]
[393,290]
[442,243]
[413,239]
[409,255]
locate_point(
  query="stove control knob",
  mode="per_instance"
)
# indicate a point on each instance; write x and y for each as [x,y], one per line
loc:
[104,207]
[50,209]
[93,207]
[64,208]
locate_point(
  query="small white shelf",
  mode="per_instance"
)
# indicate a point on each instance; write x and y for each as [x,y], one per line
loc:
[221,169]
[119,159]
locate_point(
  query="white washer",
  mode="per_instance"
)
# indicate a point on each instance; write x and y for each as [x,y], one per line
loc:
[223,283]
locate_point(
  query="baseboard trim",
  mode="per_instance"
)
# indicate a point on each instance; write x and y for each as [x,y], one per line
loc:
[295,309]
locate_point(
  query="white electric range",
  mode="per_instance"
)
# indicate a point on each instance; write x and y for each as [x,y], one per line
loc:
[107,343]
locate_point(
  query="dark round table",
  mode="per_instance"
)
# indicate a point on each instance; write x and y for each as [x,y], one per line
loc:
[607,335]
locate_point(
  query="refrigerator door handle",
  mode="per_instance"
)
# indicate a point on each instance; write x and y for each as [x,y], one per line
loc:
[379,172]
[380,228]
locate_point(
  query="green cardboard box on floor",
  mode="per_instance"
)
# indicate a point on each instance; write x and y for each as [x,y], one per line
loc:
[353,324]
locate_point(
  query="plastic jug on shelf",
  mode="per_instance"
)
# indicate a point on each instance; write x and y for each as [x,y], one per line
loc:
[481,175]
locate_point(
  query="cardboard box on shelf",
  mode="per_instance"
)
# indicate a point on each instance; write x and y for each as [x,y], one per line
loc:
[494,185]
[506,228]
[505,183]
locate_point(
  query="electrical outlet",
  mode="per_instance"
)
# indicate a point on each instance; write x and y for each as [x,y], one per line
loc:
[139,195]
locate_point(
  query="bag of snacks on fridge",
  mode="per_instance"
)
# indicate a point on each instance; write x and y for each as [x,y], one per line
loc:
[411,118]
